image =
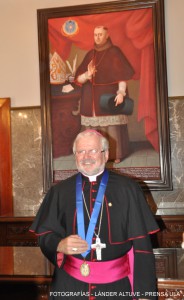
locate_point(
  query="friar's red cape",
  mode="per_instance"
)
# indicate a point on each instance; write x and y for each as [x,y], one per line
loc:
[111,67]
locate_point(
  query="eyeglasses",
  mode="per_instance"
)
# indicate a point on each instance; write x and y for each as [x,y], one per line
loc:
[89,152]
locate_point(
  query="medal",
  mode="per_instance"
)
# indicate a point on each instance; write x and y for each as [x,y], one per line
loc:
[84,269]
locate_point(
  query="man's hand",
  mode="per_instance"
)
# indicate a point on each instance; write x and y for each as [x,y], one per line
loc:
[91,69]
[72,244]
[119,99]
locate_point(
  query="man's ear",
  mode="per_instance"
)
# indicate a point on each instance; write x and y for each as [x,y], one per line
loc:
[106,155]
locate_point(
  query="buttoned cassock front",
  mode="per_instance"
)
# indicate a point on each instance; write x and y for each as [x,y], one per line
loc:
[126,221]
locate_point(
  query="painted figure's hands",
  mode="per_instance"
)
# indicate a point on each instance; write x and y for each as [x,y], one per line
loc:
[83,78]
[121,93]
[72,244]
[119,99]
[91,69]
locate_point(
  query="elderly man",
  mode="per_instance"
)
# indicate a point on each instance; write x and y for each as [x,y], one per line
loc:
[105,70]
[94,227]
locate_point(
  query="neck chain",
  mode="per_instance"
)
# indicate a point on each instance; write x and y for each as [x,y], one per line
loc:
[101,213]
[100,59]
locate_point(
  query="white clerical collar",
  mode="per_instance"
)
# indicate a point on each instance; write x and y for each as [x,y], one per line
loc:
[93,177]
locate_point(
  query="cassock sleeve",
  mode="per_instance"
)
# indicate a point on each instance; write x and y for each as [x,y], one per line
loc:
[140,218]
[144,279]
[47,225]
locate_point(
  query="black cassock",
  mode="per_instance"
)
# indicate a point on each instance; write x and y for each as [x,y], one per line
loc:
[126,222]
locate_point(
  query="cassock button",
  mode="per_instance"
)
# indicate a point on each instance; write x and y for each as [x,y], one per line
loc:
[110,204]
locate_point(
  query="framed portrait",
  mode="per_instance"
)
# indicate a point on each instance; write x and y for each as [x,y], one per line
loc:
[103,66]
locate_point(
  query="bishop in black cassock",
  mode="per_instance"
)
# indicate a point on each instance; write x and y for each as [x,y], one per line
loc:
[123,225]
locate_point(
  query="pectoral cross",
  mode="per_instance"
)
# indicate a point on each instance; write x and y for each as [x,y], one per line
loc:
[98,246]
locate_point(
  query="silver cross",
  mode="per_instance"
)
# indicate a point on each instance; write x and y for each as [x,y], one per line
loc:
[98,246]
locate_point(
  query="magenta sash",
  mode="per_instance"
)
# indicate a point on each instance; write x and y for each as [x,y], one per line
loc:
[100,272]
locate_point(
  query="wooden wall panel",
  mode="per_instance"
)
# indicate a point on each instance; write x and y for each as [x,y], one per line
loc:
[6,203]
[6,261]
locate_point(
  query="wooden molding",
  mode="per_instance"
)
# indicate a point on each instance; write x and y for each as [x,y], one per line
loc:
[6,265]
[6,202]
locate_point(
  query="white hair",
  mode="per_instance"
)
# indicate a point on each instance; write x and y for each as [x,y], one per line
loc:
[91,132]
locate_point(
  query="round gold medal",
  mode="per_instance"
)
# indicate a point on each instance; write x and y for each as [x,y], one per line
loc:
[85,269]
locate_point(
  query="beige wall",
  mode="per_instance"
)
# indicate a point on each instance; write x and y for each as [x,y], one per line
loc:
[19,66]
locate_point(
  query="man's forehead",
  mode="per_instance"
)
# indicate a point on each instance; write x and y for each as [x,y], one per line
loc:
[88,140]
[99,29]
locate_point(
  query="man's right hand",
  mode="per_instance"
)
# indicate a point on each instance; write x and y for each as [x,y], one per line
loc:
[72,244]
[91,69]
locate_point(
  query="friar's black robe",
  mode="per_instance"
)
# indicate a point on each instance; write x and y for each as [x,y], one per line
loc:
[126,222]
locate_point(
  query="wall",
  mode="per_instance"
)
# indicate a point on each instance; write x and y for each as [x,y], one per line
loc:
[19,76]
[174,22]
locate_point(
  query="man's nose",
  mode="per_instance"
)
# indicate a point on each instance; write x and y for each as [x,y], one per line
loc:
[87,153]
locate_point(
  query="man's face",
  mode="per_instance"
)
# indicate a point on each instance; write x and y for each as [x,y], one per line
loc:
[100,36]
[89,158]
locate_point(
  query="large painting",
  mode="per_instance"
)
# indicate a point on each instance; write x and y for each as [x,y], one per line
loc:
[103,66]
